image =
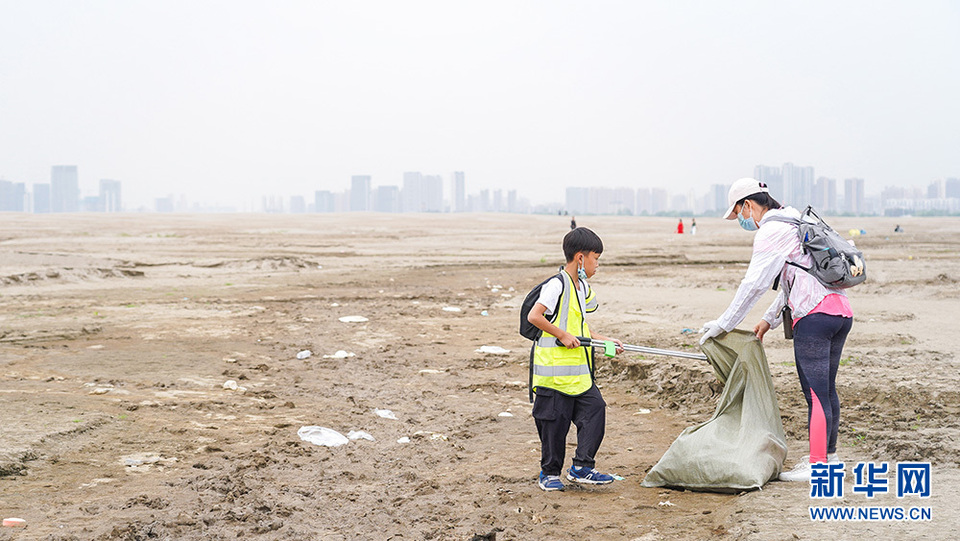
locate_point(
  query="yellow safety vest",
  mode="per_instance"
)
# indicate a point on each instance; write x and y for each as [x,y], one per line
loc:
[555,366]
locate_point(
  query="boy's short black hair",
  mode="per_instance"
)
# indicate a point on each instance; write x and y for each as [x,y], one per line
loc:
[579,240]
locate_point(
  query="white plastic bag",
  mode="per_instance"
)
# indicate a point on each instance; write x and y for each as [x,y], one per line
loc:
[319,435]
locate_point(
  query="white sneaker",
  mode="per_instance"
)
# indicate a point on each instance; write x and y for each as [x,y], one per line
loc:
[832,458]
[803,470]
[800,472]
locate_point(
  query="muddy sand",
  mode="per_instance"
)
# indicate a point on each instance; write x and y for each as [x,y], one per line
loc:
[119,333]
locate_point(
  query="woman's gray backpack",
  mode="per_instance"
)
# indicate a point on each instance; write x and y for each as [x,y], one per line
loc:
[837,263]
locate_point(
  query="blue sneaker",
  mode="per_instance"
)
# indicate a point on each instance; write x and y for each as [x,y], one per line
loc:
[550,482]
[588,476]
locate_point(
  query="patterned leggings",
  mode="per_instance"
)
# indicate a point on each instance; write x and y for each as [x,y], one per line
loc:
[817,345]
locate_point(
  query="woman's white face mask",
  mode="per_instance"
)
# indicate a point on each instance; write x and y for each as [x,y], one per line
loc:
[749,224]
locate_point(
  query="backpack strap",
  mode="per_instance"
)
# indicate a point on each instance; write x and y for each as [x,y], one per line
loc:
[792,221]
[533,346]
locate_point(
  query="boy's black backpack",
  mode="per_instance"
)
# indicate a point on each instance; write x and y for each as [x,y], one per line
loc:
[529,330]
[836,262]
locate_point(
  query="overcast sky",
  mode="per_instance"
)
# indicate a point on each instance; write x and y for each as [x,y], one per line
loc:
[227,101]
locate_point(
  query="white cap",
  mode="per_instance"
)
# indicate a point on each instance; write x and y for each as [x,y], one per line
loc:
[740,189]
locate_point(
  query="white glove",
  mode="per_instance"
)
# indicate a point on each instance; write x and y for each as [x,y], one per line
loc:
[709,330]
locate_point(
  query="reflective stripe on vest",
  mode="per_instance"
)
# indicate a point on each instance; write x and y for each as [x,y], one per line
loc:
[551,371]
[557,367]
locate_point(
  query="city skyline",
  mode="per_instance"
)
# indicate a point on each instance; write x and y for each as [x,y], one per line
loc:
[790,184]
[799,179]
[301,96]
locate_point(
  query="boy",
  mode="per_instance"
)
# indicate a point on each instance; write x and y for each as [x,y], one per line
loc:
[563,375]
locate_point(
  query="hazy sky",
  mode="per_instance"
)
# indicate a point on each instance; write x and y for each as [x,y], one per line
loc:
[226,101]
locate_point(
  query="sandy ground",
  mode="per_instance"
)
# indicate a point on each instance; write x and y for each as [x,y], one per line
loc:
[117,334]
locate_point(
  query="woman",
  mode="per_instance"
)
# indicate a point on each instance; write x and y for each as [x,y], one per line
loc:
[821,317]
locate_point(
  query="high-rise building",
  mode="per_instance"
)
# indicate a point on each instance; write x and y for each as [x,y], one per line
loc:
[458,192]
[163,204]
[497,201]
[323,201]
[512,204]
[411,195]
[853,196]
[578,200]
[64,189]
[360,193]
[937,190]
[643,204]
[109,200]
[432,193]
[624,201]
[797,185]
[386,199]
[952,188]
[659,200]
[718,197]
[13,196]
[599,200]
[772,177]
[824,194]
[298,205]
[483,202]
[41,198]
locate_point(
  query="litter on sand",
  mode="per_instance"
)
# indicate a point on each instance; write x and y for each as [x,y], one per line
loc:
[230,385]
[642,411]
[386,414]
[404,440]
[340,354]
[431,371]
[359,435]
[305,354]
[492,350]
[430,435]
[319,435]
[504,414]
[353,319]
[14,522]
[667,503]
[450,309]
[618,477]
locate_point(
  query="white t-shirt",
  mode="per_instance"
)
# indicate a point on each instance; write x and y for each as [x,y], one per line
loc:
[550,294]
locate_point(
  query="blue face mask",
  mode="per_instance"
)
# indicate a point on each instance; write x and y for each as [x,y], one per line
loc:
[582,274]
[746,223]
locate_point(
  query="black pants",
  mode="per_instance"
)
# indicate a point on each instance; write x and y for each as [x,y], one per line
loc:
[554,411]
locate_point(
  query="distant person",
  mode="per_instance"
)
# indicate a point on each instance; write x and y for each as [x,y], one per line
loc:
[573,223]
[680,227]
[820,317]
[693,226]
[898,229]
[563,371]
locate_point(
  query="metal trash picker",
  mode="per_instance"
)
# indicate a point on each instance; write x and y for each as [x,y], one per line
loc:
[610,348]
